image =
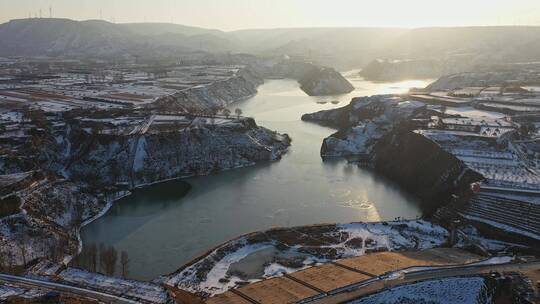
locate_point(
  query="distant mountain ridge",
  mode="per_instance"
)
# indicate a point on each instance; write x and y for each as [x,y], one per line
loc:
[158,28]
[97,38]
[356,47]
[343,48]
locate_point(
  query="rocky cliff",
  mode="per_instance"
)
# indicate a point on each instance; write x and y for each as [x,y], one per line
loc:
[87,160]
[214,95]
[422,167]
[363,122]
[380,129]
[157,156]
[359,109]
[355,141]
[48,227]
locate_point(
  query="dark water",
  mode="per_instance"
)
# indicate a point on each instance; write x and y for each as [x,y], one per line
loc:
[164,226]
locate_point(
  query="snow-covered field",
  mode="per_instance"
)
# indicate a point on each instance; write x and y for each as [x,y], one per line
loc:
[501,165]
[127,288]
[272,253]
[465,290]
[8,291]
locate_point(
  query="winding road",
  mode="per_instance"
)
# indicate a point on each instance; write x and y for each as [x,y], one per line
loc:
[340,295]
[380,283]
[62,288]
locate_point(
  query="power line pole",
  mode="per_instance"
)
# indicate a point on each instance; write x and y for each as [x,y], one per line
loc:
[50,11]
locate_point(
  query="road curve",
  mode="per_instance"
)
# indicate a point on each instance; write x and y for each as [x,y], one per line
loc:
[85,293]
[378,284]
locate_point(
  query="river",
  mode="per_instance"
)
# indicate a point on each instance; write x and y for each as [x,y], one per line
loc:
[162,227]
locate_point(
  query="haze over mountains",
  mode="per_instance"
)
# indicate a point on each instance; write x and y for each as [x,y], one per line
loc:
[339,47]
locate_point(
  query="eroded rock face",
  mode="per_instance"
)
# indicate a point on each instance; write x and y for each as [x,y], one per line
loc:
[156,156]
[422,167]
[49,227]
[379,129]
[218,94]
[359,109]
[362,123]
[357,140]
[87,160]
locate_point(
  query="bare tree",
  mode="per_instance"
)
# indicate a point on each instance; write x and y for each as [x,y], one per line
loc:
[107,259]
[77,219]
[3,262]
[124,263]
[226,112]
[527,129]
[92,257]
[212,112]
[57,249]
[21,244]
[238,112]
[9,264]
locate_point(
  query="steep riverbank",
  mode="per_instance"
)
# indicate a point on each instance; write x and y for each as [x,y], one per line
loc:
[215,95]
[163,155]
[379,131]
[101,155]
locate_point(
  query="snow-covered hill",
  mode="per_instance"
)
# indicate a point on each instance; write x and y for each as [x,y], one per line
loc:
[101,39]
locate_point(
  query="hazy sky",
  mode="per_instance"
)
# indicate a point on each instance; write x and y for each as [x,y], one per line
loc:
[240,14]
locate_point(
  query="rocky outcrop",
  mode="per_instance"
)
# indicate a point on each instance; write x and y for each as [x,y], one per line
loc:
[325,81]
[422,167]
[49,225]
[314,80]
[338,118]
[159,156]
[363,122]
[355,141]
[379,130]
[359,109]
[215,95]
[87,162]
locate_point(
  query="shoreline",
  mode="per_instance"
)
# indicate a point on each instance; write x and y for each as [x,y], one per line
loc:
[116,196]
[129,192]
[200,257]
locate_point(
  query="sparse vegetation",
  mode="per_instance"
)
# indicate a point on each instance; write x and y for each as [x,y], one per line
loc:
[238,112]
[226,112]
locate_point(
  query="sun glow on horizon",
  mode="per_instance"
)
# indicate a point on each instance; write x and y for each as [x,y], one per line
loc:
[243,14]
